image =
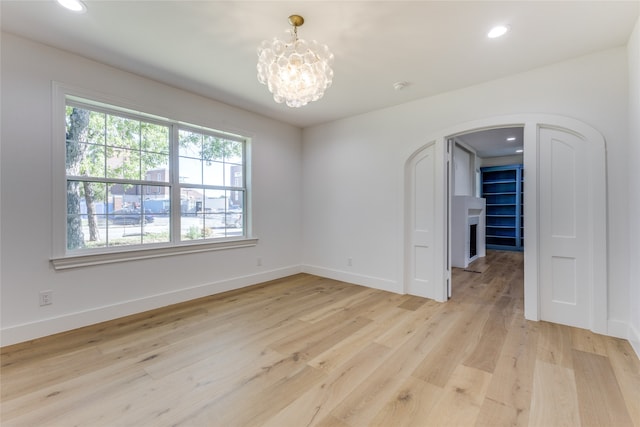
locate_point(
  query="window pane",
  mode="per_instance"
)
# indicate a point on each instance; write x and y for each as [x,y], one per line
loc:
[123,163]
[193,228]
[222,218]
[131,196]
[75,235]
[85,159]
[233,176]
[234,220]
[215,201]
[93,198]
[157,201]
[157,192]
[123,132]
[190,171]
[213,149]
[94,209]
[234,152]
[94,161]
[155,167]
[190,144]
[236,200]
[190,198]
[155,138]
[97,128]
[192,219]
[213,173]
[77,120]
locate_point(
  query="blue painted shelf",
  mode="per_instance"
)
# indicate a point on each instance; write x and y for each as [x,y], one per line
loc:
[502,187]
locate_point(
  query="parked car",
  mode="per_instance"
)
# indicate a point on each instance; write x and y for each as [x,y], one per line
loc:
[233,219]
[129,216]
[229,219]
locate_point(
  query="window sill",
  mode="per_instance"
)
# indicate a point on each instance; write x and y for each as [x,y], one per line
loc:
[69,262]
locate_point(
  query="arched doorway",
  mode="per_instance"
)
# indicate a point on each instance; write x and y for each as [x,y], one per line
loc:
[564,199]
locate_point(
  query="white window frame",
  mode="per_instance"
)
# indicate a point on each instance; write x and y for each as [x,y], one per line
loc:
[62,258]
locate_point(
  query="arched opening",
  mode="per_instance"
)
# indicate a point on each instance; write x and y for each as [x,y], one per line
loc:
[564,201]
[485,207]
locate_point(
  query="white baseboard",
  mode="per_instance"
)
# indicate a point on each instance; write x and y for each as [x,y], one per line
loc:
[618,329]
[28,331]
[624,330]
[358,279]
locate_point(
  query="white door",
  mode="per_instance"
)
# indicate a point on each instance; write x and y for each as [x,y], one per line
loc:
[426,224]
[564,227]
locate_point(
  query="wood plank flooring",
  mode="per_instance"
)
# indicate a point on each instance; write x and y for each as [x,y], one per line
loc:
[309,351]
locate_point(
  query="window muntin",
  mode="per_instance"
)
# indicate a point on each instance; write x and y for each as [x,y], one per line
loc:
[121,185]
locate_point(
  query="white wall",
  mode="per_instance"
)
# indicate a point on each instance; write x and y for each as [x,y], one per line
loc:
[633,49]
[463,172]
[88,295]
[353,168]
[516,159]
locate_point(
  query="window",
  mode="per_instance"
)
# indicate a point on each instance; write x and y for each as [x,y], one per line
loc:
[211,200]
[134,181]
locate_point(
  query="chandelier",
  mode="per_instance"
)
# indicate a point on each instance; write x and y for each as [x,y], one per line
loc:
[295,71]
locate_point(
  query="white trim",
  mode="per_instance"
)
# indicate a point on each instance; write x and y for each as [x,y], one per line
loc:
[356,279]
[634,339]
[58,170]
[61,258]
[618,329]
[599,226]
[44,327]
[67,262]
[530,212]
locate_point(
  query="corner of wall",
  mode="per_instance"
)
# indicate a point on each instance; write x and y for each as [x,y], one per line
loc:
[634,339]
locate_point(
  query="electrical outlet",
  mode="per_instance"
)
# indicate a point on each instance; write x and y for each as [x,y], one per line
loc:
[349,262]
[46,298]
[259,262]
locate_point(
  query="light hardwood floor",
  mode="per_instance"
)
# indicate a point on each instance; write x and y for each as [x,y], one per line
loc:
[305,351]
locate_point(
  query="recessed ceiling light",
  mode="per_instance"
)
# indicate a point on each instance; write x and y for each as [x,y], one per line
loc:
[73,5]
[511,138]
[498,31]
[520,151]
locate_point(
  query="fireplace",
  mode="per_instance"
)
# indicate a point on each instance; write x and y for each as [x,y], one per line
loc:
[467,230]
[473,240]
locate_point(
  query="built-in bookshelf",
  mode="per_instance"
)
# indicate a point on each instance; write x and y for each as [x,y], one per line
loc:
[502,187]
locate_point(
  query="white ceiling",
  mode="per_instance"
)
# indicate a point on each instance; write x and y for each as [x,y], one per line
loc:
[209,47]
[494,142]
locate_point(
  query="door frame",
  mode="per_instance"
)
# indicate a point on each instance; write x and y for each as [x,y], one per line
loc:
[598,286]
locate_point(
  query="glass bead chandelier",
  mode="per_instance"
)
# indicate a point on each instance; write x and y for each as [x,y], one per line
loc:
[296,72]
